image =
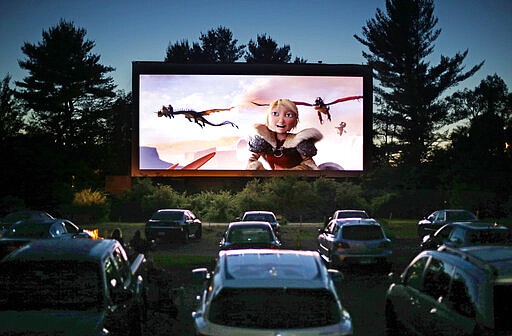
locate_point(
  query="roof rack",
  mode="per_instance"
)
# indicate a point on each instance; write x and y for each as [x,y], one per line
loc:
[469,257]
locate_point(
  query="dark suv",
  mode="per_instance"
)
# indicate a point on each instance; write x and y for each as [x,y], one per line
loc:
[467,234]
[173,224]
[438,218]
[465,291]
[72,287]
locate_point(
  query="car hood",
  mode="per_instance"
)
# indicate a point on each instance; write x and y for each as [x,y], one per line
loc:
[51,322]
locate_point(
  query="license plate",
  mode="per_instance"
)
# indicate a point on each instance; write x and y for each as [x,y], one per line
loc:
[161,233]
[366,261]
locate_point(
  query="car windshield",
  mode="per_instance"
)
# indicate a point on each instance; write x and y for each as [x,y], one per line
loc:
[29,230]
[274,308]
[36,285]
[352,214]
[489,237]
[168,215]
[361,232]
[260,217]
[249,234]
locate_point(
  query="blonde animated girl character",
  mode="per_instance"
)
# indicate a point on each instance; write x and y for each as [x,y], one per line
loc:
[281,149]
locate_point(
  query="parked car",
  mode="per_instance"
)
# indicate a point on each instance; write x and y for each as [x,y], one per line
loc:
[346,213]
[354,241]
[338,214]
[438,218]
[167,225]
[270,292]
[466,234]
[267,216]
[464,291]
[16,216]
[70,287]
[24,231]
[250,234]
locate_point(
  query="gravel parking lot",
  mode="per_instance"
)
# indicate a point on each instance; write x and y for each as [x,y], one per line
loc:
[362,291]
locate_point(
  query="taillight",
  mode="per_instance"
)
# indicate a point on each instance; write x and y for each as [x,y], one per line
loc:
[341,245]
[385,244]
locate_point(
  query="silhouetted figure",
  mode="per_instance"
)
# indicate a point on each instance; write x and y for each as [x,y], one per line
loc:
[139,244]
[117,235]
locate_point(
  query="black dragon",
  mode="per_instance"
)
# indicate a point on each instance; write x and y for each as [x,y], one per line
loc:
[194,116]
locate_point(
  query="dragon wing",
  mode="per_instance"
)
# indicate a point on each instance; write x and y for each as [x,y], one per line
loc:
[344,99]
[210,111]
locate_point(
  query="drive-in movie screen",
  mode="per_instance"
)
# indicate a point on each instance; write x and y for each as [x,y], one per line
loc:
[250,120]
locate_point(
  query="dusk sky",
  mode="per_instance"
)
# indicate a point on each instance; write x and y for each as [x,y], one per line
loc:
[126,31]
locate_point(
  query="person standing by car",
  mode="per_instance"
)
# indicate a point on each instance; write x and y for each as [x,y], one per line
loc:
[139,244]
[277,146]
[117,234]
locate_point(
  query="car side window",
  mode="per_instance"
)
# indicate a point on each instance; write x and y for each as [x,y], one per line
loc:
[457,235]
[444,232]
[459,297]
[121,265]
[331,227]
[414,273]
[336,229]
[70,228]
[437,278]
[57,229]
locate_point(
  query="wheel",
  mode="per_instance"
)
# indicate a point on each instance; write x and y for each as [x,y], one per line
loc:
[199,232]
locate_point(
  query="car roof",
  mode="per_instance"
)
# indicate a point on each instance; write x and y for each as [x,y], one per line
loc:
[258,212]
[496,259]
[249,223]
[479,225]
[356,221]
[172,210]
[73,249]
[266,268]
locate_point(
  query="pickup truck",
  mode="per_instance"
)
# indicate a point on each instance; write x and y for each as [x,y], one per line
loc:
[71,287]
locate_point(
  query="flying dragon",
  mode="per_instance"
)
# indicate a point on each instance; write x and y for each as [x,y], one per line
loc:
[320,106]
[194,116]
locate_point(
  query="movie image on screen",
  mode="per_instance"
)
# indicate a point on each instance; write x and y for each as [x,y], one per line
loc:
[195,123]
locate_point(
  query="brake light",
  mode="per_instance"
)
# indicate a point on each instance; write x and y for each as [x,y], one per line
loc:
[385,244]
[341,245]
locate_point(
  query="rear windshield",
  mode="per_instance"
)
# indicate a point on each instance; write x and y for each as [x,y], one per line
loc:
[352,214]
[171,215]
[361,232]
[63,285]
[249,234]
[260,217]
[503,308]
[272,308]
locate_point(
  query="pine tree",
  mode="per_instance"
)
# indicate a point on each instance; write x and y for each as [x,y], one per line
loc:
[400,42]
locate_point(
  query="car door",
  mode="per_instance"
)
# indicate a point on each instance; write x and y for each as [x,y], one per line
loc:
[435,314]
[120,294]
[405,296]
[325,239]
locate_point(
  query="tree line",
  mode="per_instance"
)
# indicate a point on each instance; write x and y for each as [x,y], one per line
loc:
[65,126]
